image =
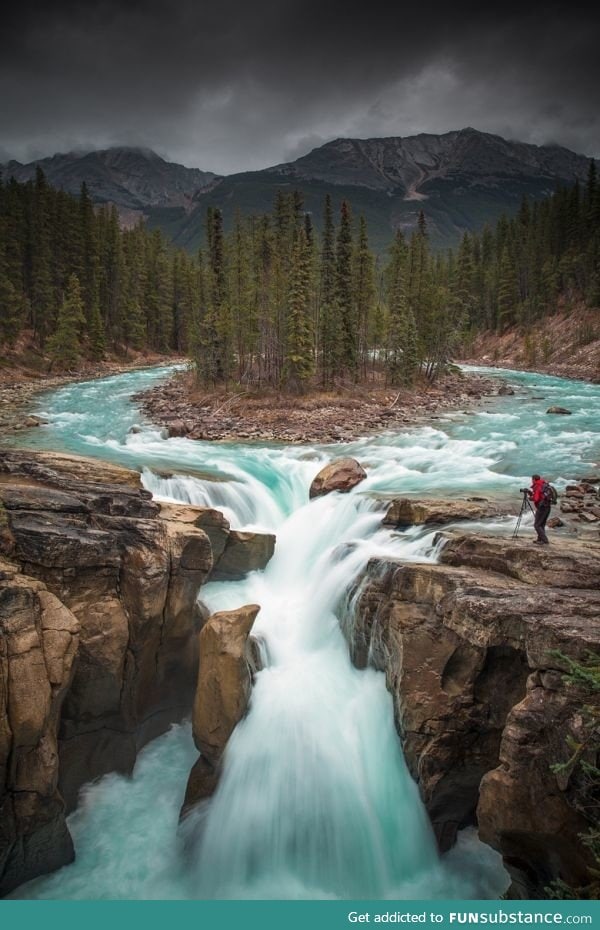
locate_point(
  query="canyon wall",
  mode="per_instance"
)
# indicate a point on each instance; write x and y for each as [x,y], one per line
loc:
[471,653]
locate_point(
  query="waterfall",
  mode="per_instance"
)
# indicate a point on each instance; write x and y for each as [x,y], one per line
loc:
[315,799]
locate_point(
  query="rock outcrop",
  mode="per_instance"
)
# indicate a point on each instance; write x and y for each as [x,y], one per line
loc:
[222,694]
[100,646]
[471,652]
[340,475]
[244,552]
[39,639]
[407,511]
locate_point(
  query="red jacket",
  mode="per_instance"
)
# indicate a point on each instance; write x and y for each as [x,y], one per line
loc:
[536,492]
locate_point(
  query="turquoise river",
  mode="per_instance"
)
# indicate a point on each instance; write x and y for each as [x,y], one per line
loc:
[315,799]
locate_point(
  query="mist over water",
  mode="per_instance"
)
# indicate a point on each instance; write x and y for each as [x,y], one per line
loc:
[315,799]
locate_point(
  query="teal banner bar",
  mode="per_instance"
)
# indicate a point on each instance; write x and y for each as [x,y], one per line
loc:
[293,915]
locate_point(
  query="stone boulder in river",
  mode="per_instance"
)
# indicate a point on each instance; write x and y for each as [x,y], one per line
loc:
[222,693]
[341,475]
[559,410]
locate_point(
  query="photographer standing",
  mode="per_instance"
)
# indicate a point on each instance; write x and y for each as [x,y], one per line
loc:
[542,495]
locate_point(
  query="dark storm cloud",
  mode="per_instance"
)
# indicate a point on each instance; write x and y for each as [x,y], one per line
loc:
[235,85]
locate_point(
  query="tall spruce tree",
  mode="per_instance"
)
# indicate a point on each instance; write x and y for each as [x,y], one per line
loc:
[299,358]
[329,345]
[65,343]
[345,306]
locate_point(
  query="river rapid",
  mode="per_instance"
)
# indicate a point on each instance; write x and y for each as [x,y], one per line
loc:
[315,800]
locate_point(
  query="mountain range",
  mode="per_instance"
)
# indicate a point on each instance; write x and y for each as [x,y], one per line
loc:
[461,179]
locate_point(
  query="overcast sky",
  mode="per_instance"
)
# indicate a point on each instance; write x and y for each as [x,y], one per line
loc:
[230,86]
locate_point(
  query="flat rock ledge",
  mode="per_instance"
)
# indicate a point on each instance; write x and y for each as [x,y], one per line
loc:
[408,511]
[471,649]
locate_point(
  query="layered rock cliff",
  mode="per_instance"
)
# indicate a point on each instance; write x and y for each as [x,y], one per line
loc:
[99,644]
[470,652]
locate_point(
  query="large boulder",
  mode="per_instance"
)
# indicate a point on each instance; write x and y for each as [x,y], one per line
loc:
[245,551]
[559,410]
[407,511]
[222,693]
[472,652]
[224,679]
[341,475]
[39,639]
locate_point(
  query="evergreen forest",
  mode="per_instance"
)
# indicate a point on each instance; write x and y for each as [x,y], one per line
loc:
[273,304]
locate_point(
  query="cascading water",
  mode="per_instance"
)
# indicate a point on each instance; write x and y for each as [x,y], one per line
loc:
[315,799]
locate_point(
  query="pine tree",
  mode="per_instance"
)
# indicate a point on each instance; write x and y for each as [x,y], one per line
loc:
[507,291]
[97,341]
[329,345]
[11,310]
[299,360]
[364,289]
[64,345]
[345,307]
[43,303]
[401,333]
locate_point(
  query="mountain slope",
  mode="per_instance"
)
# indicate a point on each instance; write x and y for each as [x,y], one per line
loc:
[132,178]
[460,179]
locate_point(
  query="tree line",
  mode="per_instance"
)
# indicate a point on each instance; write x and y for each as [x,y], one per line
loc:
[82,285]
[271,303]
[519,271]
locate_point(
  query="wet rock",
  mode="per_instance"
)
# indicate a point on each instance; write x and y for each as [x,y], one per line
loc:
[341,475]
[39,639]
[130,572]
[560,567]
[178,428]
[505,390]
[471,652]
[555,523]
[52,468]
[244,552]
[214,524]
[559,410]
[222,693]
[224,680]
[407,511]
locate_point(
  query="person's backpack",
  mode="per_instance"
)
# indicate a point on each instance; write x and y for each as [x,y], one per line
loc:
[549,493]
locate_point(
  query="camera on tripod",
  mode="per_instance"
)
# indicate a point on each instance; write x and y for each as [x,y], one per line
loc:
[523,490]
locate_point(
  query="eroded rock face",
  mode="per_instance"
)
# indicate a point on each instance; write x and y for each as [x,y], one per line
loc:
[39,640]
[407,511]
[469,652]
[341,475]
[222,693]
[130,575]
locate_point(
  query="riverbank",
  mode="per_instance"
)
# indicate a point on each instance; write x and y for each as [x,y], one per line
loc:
[566,344]
[184,409]
[19,387]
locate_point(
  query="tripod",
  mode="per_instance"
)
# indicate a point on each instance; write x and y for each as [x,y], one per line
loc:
[524,505]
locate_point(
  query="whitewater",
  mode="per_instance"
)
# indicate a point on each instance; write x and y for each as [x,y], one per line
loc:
[315,799]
